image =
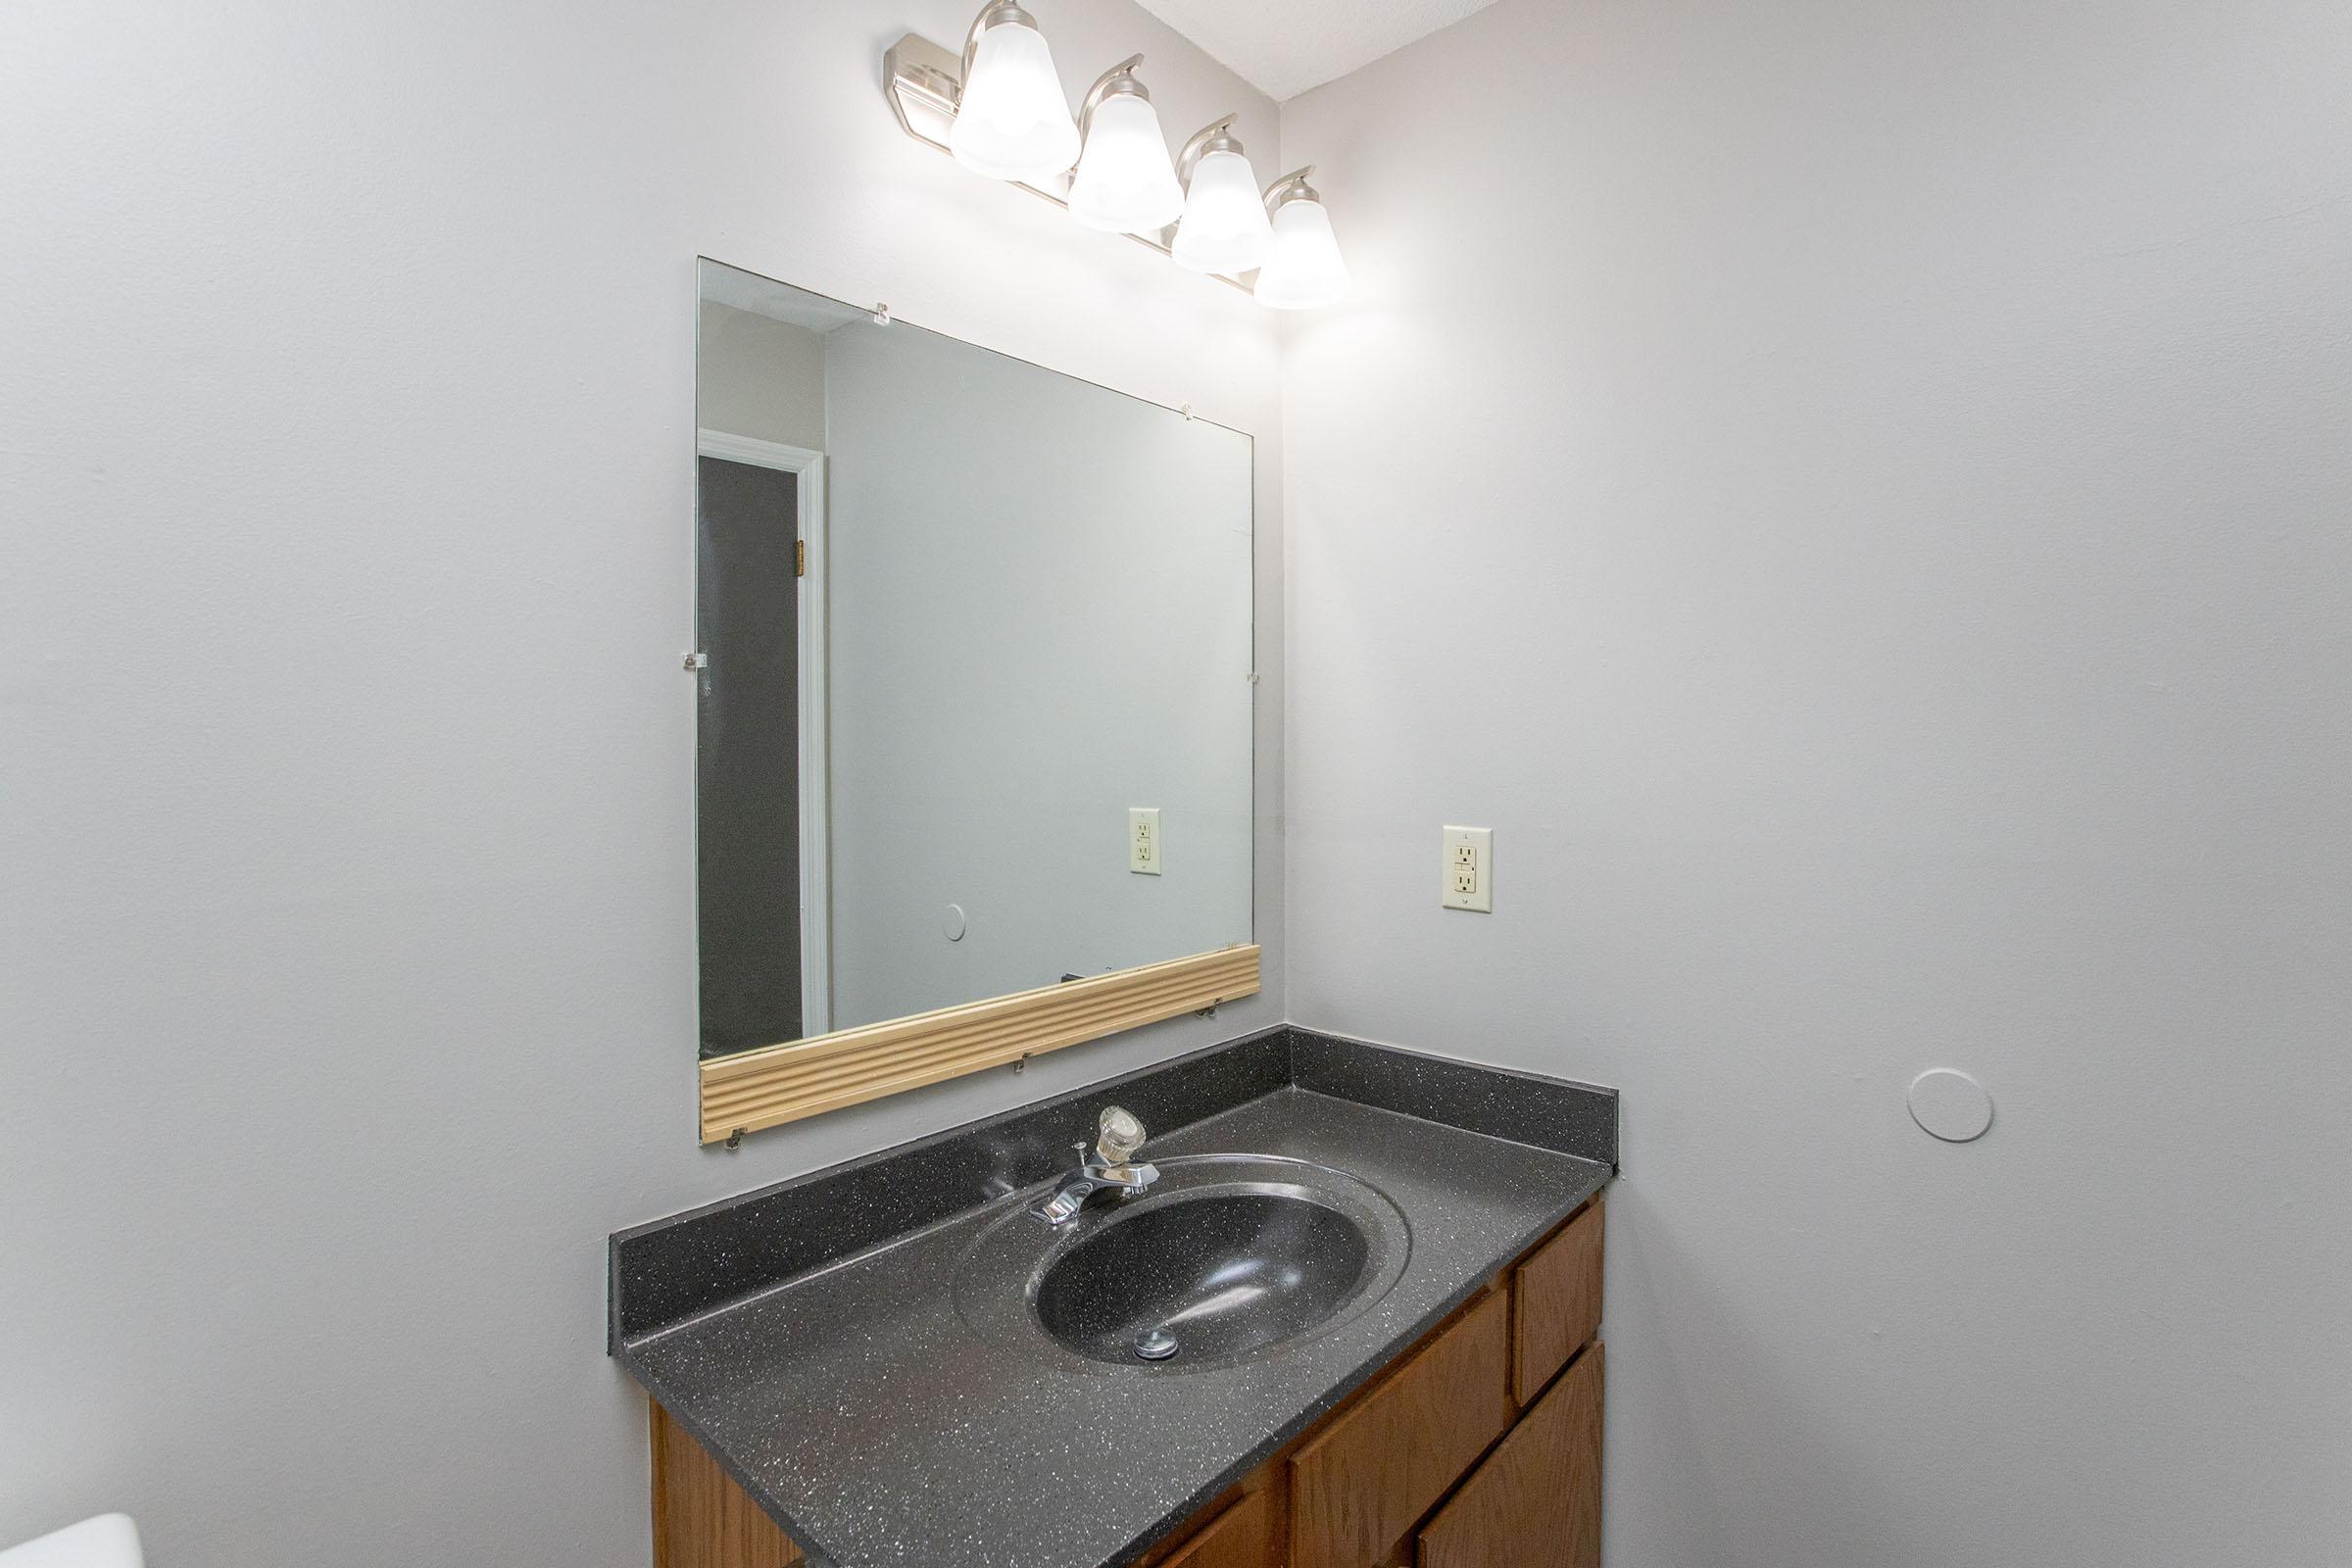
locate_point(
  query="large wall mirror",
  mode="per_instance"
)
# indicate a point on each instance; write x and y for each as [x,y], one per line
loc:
[974,696]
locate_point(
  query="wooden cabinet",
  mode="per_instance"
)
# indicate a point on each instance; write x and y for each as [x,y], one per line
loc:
[1377,1466]
[702,1519]
[1432,1464]
[1534,1503]
[1555,1296]
[1243,1535]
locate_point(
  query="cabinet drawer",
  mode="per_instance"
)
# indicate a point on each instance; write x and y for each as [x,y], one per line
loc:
[1535,1502]
[1241,1538]
[1357,1487]
[1556,1295]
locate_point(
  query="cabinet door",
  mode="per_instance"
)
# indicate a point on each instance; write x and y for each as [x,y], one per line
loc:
[1243,1537]
[1535,1502]
[1357,1487]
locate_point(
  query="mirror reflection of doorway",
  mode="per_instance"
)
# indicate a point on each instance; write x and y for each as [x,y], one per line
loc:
[758,901]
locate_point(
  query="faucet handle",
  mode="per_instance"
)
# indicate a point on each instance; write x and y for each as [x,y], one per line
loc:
[1120,1136]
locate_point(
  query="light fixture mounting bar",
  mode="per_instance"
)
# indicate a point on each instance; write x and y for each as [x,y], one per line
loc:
[925,82]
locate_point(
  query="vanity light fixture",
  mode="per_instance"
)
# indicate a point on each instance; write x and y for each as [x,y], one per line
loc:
[1124,183]
[1225,228]
[1305,268]
[999,109]
[1011,121]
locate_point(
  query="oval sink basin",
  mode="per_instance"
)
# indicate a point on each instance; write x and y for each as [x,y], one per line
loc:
[1225,1257]
[1208,1274]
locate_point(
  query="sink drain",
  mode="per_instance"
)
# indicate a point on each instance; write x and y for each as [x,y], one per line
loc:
[1157,1346]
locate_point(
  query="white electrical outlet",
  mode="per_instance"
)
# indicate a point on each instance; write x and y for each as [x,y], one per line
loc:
[1469,869]
[1143,840]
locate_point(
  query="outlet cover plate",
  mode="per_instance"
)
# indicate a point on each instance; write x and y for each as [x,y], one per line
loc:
[1143,840]
[1468,869]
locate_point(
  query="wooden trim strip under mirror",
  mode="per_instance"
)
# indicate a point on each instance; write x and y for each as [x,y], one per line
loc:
[777,1084]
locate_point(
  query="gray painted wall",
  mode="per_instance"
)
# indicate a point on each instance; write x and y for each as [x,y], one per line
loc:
[1855,496]
[346,959]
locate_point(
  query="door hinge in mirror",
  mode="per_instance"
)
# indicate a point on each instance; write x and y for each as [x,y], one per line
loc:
[800,558]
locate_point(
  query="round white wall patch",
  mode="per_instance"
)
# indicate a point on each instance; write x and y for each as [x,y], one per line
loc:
[1950,1105]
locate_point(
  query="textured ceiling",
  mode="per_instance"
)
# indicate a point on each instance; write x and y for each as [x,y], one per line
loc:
[1283,47]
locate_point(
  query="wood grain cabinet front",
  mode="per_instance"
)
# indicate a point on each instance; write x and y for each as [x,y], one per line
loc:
[1534,1503]
[1555,1296]
[702,1519]
[1241,1536]
[1357,1487]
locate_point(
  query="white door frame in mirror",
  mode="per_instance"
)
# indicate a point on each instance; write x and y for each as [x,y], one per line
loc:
[817,883]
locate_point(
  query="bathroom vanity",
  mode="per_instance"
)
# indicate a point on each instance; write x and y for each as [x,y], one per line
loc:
[970,788]
[1379,1275]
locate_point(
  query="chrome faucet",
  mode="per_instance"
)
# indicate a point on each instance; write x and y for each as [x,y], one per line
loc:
[1111,1167]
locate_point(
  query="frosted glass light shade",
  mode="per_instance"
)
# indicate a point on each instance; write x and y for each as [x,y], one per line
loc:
[1126,182]
[1224,227]
[1014,122]
[1303,268]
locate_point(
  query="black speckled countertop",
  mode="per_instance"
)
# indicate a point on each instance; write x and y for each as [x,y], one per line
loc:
[807,1336]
